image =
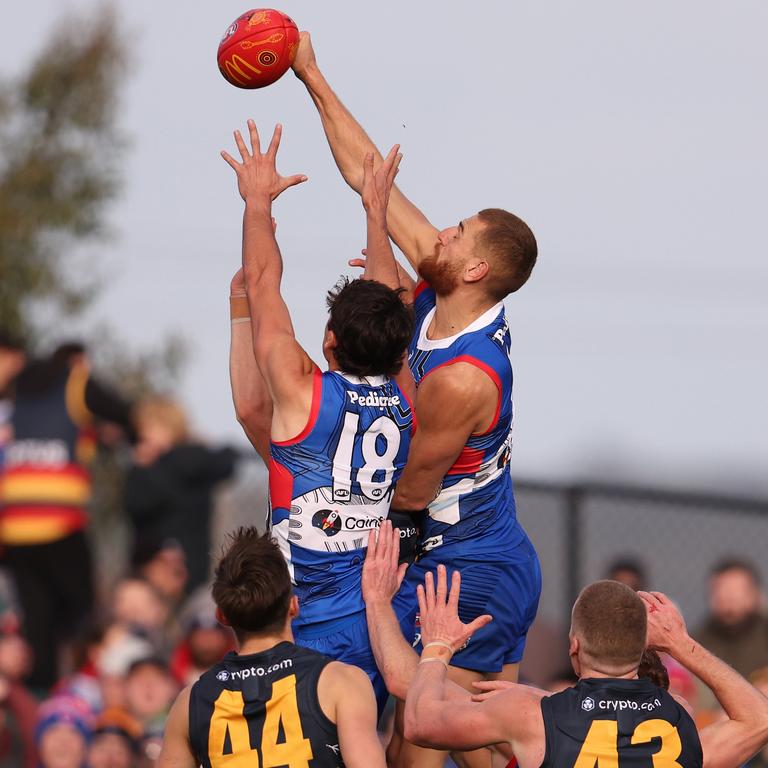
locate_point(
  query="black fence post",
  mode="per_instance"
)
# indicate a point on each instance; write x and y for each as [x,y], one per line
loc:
[574,496]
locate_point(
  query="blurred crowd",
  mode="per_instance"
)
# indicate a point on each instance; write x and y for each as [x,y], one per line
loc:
[89,670]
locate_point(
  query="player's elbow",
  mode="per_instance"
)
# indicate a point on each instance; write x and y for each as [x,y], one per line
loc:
[255,414]
[407,497]
[418,728]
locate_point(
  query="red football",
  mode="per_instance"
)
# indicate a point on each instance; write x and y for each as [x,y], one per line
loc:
[258,48]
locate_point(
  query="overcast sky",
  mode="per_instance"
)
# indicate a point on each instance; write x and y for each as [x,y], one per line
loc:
[630,136]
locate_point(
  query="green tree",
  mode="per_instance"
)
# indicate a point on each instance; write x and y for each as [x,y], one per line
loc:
[59,166]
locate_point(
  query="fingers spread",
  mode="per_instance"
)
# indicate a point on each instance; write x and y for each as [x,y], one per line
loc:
[292,181]
[241,146]
[479,623]
[421,598]
[275,142]
[230,160]
[453,597]
[429,590]
[442,584]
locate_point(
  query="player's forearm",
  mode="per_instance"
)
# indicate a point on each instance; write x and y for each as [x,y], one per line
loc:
[253,406]
[262,262]
[740,700]
[380,264]
[418,485]
[425,702]
[347,139]
[395,658]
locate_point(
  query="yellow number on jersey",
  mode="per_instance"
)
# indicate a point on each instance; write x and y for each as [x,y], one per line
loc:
[282,708]
[228,717]
[295,751]
[600,749]
[671,746]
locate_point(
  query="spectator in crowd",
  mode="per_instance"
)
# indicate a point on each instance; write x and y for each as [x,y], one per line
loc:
[149,692]
[12,359]
[44,493]
[204,643]
[163,565]
[63,731]
[18,708]
[115,742]
[629,571]
[137,606]
[737,628]
[168,491]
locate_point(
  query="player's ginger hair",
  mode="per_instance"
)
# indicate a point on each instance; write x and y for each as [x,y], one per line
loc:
[512,247]
[611,624]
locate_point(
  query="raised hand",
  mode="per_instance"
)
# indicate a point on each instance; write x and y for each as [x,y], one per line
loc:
[257,176]
[439,612]
[382,576]
[666,626]
[305,56]
[377,185]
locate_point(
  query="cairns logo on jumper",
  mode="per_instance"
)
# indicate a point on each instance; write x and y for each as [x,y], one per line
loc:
[328,521]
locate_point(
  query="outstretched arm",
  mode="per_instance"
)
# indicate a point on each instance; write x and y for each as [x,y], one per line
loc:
[725,743]
[285,366]
[382,577]
[513,716]
[349,143]
[253,405]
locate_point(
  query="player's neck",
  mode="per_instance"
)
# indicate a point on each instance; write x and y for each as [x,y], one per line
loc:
[456,312]
[261,643]
[588,672]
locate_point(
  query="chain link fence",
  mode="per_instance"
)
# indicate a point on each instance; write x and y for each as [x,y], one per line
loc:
[579,531]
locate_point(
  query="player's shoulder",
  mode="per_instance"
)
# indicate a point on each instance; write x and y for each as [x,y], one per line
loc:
[340,682]
[337,674]
[460,378]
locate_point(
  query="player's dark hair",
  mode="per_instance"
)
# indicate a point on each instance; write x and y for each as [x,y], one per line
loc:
[251,584]
[11,341]
[652,668]
[610,620]
[736,564]
[513,248]
[372,327]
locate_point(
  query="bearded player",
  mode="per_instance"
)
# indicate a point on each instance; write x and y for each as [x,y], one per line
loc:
[458,464]
[338,439]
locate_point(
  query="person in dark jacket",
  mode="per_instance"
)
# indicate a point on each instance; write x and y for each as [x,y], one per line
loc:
[737,627]
[168,491]
[44,493]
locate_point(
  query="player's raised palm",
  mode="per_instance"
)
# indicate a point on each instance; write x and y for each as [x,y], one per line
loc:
[257,176]
[439,612]
[378,184]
